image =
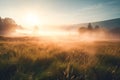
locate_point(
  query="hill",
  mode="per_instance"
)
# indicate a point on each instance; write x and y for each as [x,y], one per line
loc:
[108,24]
[113,23]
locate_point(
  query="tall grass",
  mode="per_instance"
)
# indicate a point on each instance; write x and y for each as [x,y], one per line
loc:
[33,60]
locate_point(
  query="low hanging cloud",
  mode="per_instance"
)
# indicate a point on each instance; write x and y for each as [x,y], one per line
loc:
[7,26]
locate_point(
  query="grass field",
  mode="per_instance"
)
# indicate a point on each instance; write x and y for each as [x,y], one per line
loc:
[35,59]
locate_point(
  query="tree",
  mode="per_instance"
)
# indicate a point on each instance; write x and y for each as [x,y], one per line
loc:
[97,27]
[35,30]
[82,29]
[7,25]
[90,26]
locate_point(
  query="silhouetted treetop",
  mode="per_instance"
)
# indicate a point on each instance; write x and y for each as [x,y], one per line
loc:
[97,27]
[90,27]
[82,29]
[7,25]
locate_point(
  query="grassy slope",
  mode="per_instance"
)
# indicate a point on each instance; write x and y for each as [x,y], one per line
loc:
[33,60]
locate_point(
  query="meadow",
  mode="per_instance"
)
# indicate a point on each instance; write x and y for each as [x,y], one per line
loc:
[37,59]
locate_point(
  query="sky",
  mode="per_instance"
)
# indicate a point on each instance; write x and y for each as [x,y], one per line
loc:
[60,12]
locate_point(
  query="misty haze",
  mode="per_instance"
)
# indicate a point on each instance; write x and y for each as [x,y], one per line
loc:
[60,40]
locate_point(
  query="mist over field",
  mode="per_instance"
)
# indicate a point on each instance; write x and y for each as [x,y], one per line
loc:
[91,52]
[59,39]
[97,31]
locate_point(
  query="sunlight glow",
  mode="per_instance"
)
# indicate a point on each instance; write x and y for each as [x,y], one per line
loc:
[32,20]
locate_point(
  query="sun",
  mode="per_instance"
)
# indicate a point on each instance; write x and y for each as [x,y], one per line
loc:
[32,20]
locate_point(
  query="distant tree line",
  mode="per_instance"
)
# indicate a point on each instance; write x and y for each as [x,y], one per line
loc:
[89,28]
[7,25]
